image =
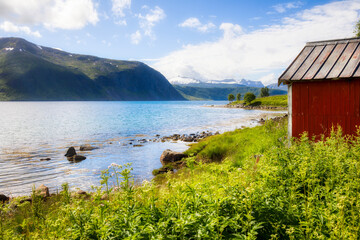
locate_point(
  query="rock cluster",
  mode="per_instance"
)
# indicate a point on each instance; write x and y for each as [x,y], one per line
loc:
[192,137]
[256,107]
[72,156]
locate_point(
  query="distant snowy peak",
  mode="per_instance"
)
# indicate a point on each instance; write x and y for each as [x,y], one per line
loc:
[248,83]
[187,80]
[251,83]
[183,80]
[225,81]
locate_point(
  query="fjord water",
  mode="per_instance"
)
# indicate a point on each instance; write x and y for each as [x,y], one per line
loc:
[30,131]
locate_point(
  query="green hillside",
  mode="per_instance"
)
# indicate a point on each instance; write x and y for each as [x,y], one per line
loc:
[271,101]
[32,72]
[216,93]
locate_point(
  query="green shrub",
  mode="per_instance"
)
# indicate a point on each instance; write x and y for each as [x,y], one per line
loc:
[264,92]
[231,97]
[248,97]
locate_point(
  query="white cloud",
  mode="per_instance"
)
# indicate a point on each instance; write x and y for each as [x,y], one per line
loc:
[268,79]
[195,23]
[283,7]
[148,21]
[106,43]
[231,30]
[136,37]
[10,27]
[121,22]
[118,7]
[262,52]
[53,14]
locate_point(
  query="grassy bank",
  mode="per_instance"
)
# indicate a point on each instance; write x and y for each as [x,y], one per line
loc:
[271,101]
[245,184]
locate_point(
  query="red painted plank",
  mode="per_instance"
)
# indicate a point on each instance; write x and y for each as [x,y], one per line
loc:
[305,105]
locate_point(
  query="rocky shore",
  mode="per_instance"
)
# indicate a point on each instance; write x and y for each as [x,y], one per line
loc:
[260,107]
[170,160]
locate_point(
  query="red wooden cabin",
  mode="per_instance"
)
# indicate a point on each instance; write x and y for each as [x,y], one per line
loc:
[324,87]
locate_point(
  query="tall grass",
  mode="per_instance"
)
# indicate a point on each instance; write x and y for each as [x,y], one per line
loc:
[309,190]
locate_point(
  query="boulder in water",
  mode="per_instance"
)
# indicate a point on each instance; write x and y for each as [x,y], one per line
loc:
[70,152]
[87,147]
[76,158]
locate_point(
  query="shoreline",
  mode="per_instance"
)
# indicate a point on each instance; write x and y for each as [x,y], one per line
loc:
[146,141]
[242,106]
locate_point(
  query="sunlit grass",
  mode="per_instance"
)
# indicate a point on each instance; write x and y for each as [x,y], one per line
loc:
[272,101]
[246,184]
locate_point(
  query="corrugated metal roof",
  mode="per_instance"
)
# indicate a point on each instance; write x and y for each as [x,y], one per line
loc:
[325,60]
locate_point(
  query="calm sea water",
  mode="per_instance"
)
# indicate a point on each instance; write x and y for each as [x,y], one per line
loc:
[30,131]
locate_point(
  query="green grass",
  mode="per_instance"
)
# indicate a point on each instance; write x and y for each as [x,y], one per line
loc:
[309,190]
[271,101]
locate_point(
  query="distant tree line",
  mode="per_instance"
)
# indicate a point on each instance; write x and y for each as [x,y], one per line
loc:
[249,96]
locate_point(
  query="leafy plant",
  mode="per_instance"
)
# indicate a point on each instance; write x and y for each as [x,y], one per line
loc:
[231,97]
[264,92]
[248,97]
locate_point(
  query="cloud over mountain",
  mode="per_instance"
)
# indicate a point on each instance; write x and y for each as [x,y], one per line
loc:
[263,53]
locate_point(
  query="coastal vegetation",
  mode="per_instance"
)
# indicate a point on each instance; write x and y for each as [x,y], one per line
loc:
[245,184]
[271,101]
[249,97]
[220,93]
[264,92]
[231,97]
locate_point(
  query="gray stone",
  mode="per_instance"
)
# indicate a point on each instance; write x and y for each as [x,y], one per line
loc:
[169,156]
[70,152]
[4,198]
[87,147]
[43,191]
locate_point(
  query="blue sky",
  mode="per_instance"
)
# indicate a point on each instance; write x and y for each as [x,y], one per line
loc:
[187,39]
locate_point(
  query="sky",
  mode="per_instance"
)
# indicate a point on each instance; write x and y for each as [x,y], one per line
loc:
[197,39]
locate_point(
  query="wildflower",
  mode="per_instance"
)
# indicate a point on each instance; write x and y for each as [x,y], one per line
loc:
[114,165]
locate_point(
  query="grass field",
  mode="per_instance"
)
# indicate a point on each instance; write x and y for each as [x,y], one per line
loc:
[245,184]
[271,101]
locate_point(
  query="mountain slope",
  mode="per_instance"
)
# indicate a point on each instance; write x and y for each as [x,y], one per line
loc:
[32,72]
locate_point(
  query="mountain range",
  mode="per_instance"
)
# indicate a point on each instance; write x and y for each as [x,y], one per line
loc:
[215,83]
[194,89]
[32,72]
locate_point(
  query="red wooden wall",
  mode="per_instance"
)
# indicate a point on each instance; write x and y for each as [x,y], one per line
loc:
[317,106]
